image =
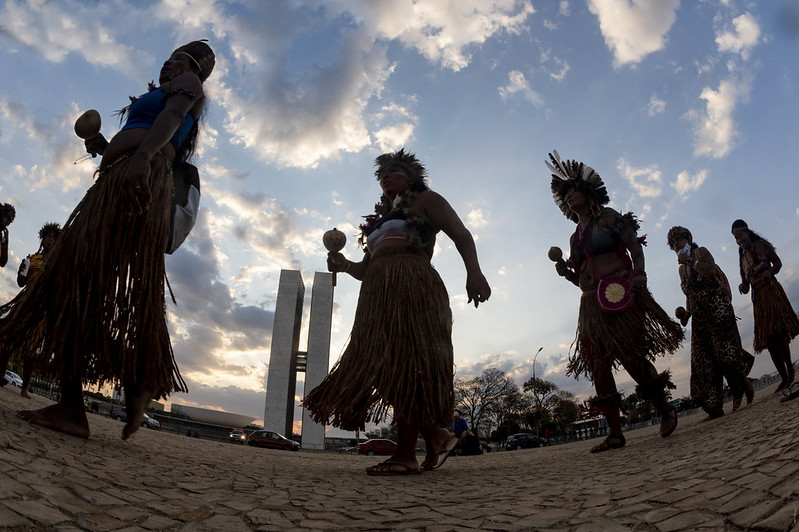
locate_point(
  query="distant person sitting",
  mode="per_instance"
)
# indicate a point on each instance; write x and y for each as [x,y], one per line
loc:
[468,443]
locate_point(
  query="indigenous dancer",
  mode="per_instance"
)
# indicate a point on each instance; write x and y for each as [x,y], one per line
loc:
[400,350]
[97,306]
[7,215]
[776,323]
[29,268]
[620,323]
[716,350]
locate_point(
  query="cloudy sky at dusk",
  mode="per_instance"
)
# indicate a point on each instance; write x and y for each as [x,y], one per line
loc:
[688,111]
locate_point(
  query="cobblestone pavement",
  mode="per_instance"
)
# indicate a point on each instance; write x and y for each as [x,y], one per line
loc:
[740,472]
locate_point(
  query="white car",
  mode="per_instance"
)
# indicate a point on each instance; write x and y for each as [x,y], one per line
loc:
[13,379]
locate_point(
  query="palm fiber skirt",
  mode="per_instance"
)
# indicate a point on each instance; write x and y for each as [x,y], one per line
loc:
[642,331]
[399,354]
[774,315]
[96,310]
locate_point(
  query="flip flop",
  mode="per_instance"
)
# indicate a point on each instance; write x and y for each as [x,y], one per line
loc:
[443,454]
[391,468]
[790,392]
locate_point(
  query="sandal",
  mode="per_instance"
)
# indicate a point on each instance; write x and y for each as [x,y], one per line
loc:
[668,422]
[390,467]
[614,441]
[790,392]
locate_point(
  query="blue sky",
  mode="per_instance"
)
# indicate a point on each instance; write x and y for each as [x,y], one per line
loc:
[686,109]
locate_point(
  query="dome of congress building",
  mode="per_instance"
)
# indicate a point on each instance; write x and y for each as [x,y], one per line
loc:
[214,417]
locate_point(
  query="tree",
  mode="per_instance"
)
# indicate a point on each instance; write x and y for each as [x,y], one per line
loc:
[484,400]
[563,407]
[541,390]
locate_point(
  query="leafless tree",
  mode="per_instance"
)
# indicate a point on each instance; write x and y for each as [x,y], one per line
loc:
[486,399]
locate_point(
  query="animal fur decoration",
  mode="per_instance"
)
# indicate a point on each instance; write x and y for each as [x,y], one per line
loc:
[568,175]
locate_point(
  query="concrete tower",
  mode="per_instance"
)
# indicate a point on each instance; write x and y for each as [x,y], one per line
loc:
[285,359]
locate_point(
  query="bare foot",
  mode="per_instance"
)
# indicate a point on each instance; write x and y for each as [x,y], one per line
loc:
[24,392]
[136,403]
[440,442]
[432,445]
[60,417]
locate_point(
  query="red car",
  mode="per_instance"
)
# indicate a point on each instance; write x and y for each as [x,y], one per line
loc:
[272,440]
[377,446]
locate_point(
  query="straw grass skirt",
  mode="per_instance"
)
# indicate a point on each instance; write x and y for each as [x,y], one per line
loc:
[773,313]
[643,331]
[400,351]
[96,311]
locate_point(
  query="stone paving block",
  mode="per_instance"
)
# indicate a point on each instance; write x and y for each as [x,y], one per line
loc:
[782,519]
[685,521]
[673,496]
[660,514]
[621,511]
[158,522]
[745,499]
[38,512]
[754,513]
[13,520]
[600,525]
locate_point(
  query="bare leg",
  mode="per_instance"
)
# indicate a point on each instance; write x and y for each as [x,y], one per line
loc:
[776,348]
[67,416]
[27,373]
[653,387]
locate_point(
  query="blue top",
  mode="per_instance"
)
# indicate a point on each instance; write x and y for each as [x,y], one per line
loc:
[145,110]
[460,427]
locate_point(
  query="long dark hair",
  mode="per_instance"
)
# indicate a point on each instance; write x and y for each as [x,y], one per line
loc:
[753,237]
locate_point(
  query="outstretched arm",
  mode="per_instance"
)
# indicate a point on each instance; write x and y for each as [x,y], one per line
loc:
[442,216]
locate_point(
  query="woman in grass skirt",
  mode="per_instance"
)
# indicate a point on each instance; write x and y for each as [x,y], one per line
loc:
[399,356]
[620,323]
[776,323]
[96,311]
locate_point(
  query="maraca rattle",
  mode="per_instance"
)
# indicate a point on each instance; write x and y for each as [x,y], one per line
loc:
[87,126]
[556,255]
[334,241]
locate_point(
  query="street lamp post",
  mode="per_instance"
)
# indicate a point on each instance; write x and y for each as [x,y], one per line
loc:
[537,406]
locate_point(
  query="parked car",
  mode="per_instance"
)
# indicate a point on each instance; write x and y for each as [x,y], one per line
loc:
[272,440]
[121,414]
[377,446]
[13,379]
[238,436]
[524,440]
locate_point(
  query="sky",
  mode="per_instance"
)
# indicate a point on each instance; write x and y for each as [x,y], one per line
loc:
[686,109]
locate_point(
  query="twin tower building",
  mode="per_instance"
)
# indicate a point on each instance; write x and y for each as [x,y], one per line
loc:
[286,359]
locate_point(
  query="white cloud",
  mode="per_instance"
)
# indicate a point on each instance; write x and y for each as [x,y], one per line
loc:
[634,29]
[715,128]
[564,8]
[440,31]
[518,84]
[646,182]
[656,105]
[686,182]
[742,39]
[564,69]
[476,219]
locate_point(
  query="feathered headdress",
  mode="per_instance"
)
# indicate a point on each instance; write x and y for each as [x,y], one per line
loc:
[568,175]
[408,162]
[50,228]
